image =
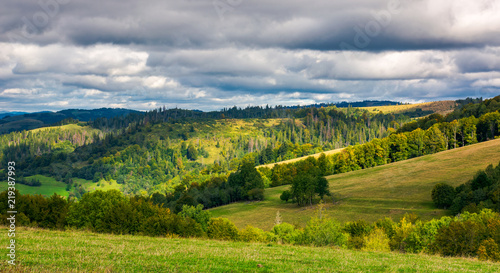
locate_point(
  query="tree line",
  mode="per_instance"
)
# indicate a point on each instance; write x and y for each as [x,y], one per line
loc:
[466,235]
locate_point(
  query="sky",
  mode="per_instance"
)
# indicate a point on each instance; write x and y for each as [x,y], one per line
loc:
[210,54]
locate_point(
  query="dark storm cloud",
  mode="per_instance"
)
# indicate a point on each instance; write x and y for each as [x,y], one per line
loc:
[209,54]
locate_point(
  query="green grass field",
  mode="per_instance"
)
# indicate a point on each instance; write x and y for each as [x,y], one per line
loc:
[371,194]
[49,186]
[41,250]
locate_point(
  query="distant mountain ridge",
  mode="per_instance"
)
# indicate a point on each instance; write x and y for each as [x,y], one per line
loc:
[9,114]
[29,121]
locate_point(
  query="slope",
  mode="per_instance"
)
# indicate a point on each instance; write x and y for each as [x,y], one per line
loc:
[77,251]
[370,194]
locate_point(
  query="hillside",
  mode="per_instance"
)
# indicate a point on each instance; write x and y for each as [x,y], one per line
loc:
[15,123]
[372,194]
[440,107]
[78,251]
[316,155]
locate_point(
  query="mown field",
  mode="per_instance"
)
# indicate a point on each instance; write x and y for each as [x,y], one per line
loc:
[41,250]
[371,194]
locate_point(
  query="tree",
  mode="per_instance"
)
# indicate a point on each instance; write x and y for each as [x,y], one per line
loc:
[192,153]
[246,179]
[443,195]
[198,214]
[285,196]
[434,140]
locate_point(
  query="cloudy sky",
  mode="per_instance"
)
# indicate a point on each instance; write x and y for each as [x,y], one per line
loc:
[209,54]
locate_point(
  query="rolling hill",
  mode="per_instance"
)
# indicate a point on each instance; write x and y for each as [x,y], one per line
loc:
[371,194]
[12,123]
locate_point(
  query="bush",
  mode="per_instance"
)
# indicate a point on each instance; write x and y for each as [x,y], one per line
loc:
[323,232]
[222,229]
[198,214]
[443,195]
[286,233]
[401,232]
[256,194]
[252,234]
[488,250]
[387,225]
[358,228]
[377,240]
[461,238]
[285,196]
[356,242]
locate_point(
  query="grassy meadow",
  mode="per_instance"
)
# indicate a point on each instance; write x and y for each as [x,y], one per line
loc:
[441,107]
[49,186]
[371,194]
[41,250]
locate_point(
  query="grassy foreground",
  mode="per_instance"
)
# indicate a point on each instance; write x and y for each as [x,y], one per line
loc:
[76,251]
[372,194]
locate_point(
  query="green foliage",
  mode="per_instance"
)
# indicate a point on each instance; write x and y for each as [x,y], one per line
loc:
[402,231]
[443,195]
[222,229]
[482,191]
[247,182]
[285,196]
[460,238]
[252,234]
[197,213]
[324,232]
[308,182]
[489,250]
[377,240]
[36,210]
[358,228]
[387,225]
[286,233]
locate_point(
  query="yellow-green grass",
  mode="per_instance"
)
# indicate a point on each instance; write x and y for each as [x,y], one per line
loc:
[371,194]
[101,185]
[60,127]
[441,107]
[40,250]
[49,186]
[271,165]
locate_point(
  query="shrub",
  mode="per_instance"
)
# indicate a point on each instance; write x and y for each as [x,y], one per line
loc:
[488,250]
[94,209]
[401,232]
[356,242]
[358,228]
[460,238]
[443,195]
[285,196]
[387,225]
[286,233]
[222,229]
[377,240]
[252,234]
[256,194]
[323,232]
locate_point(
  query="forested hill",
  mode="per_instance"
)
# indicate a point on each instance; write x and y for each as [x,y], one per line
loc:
[157,150]
[170,150]
[12,123]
